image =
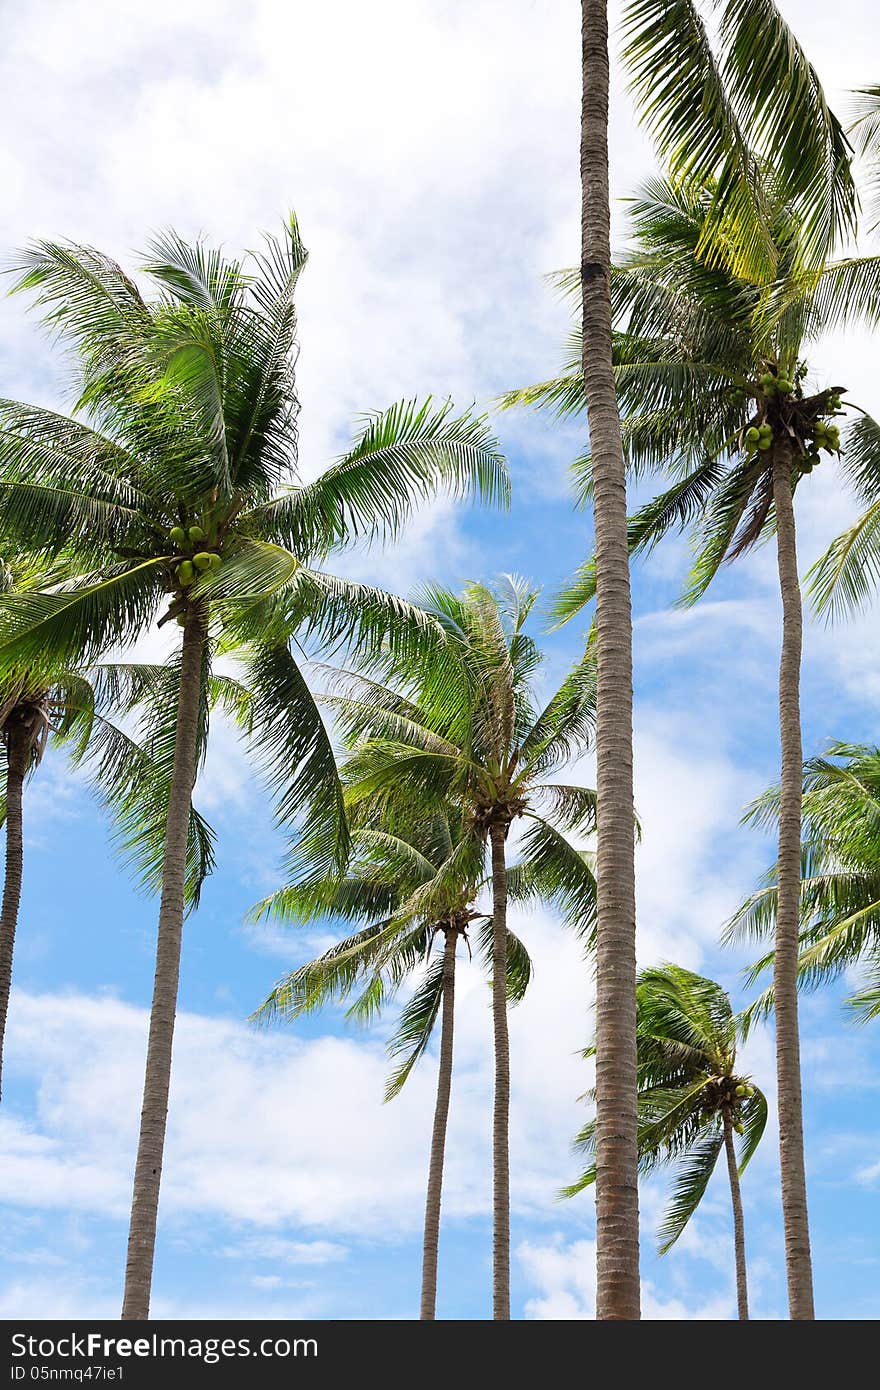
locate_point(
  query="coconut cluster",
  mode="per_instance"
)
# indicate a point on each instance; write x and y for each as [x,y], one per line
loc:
[726,1093]
[826,435]
[809,423]
[195,558]
[743,1091]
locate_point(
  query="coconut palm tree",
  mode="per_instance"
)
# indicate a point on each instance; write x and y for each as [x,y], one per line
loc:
[413,878]
[840,888]
[709,99]
[75,709]
[712,377]
[692,1100]
[461,725]
[176,477]
[396,891]
[617,1202]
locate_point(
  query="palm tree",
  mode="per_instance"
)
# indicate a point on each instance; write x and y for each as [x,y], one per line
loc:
[711,373]
[177,485]
[692,1099]
[840,888]
[412,877]
[396,891]
[617,1200]
[75,709]
[461,726]
[709,101]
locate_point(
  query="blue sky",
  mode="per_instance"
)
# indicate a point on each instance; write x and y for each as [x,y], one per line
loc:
[430,151]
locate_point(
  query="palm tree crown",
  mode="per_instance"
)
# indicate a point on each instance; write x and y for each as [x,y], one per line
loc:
[395,886]
[462,727]
[180,490]
[710,370]
[840,888]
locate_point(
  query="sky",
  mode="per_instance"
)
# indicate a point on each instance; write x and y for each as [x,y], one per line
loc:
[430,152]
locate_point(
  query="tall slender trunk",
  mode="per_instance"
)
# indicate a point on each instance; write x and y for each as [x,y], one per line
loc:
[739,1238]
[438,1135]
[157,1078]
[501,1114]
[617,1196]
[17,752]
[785,961]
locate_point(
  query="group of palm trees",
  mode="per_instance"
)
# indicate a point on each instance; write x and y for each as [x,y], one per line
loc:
[418,776]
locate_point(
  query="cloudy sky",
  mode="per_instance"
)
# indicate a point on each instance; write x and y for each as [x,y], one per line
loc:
[430,151]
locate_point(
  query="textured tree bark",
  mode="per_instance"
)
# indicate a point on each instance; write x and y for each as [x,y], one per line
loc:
[17,753]
[501,1114]
[157,1078]
[438,1136]
[739,1238]
[617,1198]
[788,1065]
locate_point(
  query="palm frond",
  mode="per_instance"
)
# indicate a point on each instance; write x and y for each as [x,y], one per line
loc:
[691,1181]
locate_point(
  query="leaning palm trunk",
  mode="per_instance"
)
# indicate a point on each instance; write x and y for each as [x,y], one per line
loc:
[157,1079]
[617,1200]
[785,968]
[17,751]
[438,1136]
[501,1115]
[739,1240]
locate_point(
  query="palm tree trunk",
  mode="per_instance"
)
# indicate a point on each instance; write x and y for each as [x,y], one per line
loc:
[739,1239]
[501,1115]
[785,961]
[17,751]
[157,1079]
[617,1197]
[438,1136]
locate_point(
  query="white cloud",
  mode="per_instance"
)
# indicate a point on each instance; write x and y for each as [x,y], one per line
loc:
[564,1274]
[297,1134]
[868,1175]
[290,1252]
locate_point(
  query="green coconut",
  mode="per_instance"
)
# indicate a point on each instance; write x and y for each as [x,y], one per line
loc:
[737,1124]
[216,561]
[766,379]
[785,386]
[185,572]
[177,535]
[752,435]
[196,533]
[765,443]
[202,561]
